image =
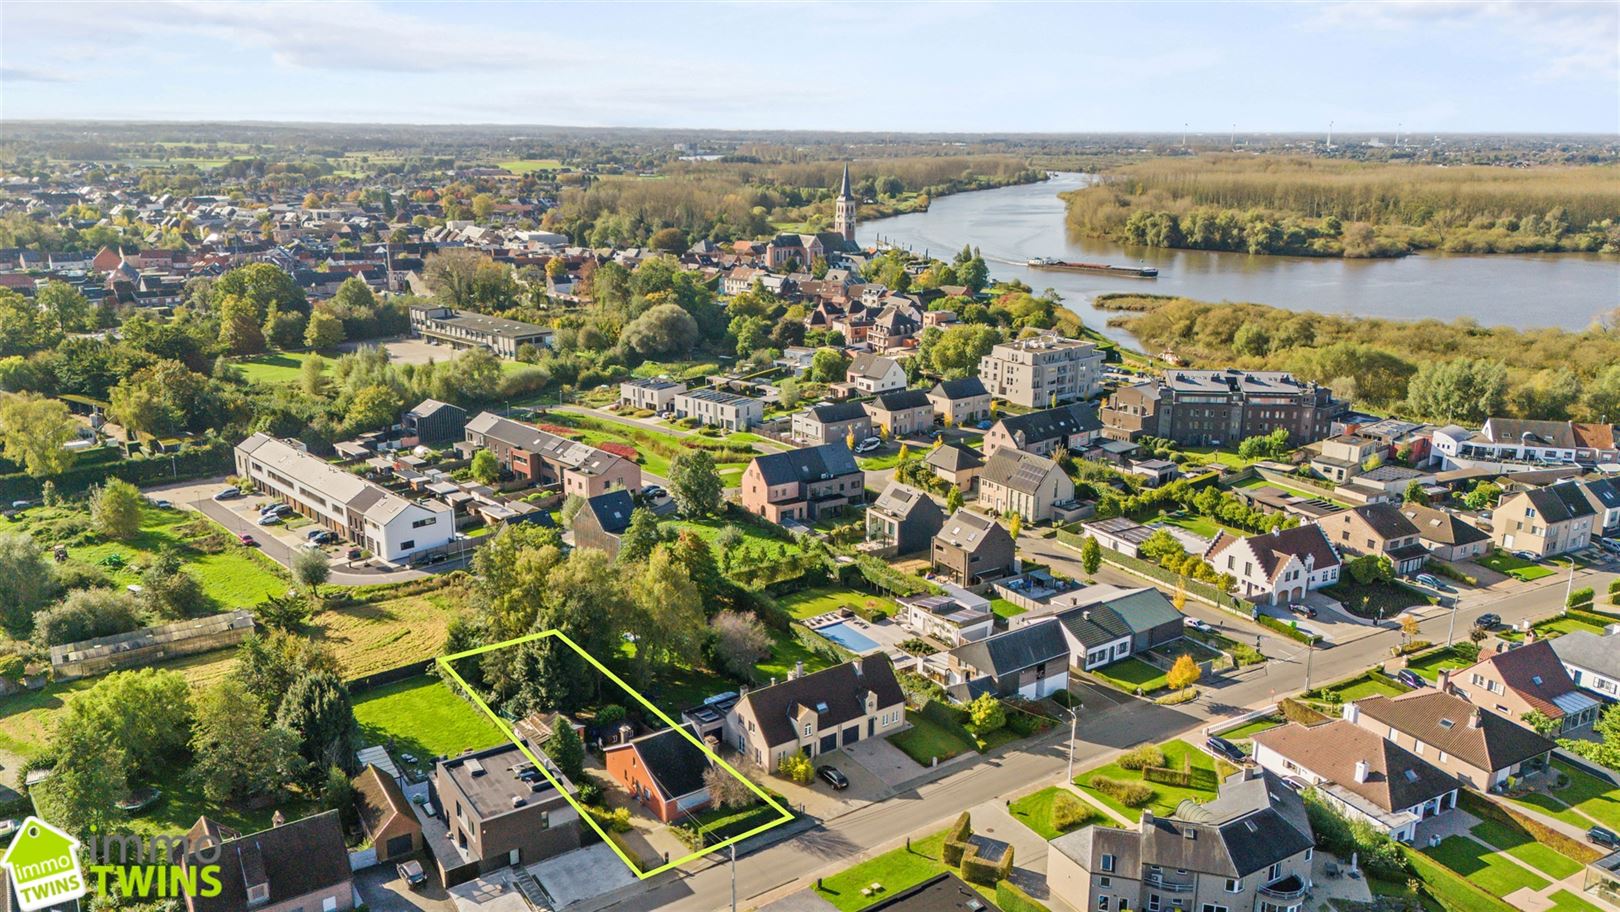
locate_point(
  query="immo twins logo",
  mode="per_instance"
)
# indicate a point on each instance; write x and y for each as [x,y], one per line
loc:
[44,865]
[43,862]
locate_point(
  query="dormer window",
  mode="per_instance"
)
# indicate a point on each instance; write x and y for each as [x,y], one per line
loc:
[258,893]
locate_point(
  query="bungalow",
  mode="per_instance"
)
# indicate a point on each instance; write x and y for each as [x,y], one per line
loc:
[1379,529]
[1104,627]
[902,520]
[956,464]
[870,374]
[1476,745]
[944,618]
[1360,774]
[832,421]
[385,815]
[601,522]
[1030,662]
[960,403]
[971,549]
[802,484]
[1277,567]
[1066,427]
[903,412]
[1530,678]
[1546,521]
[662,771]
[1017,482]
[817,713]
[1592,660]
[1446,535]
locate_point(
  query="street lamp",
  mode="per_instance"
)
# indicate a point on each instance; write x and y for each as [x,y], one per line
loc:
[1074,724]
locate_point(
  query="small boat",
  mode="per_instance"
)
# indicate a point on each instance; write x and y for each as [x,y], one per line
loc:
[1135,272]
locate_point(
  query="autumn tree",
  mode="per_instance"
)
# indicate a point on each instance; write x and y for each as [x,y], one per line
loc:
[1183,673]
[34,432]
[740,642]
[115,508]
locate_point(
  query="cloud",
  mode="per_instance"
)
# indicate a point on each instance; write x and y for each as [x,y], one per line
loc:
[9,74]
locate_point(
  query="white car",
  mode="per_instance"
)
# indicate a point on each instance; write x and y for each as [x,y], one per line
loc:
[868,445]
[1193,623]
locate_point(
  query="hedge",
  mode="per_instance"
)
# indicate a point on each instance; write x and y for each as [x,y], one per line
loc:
[1130,794]
[1581,598]
[956,844]
[198,460]
[1295,711]
[1013,899]
[986,873]
[1486,809]
[1192,587]
[1450,890]
[1614,592]
[1286,629]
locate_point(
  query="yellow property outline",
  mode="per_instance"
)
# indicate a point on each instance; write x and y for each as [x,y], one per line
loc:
[444,663]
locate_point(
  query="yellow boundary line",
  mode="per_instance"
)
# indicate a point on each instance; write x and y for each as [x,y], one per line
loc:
[444,662]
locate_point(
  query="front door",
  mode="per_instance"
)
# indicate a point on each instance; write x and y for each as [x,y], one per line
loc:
[512,857]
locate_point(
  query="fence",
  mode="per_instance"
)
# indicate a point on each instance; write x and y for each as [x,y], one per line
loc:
[391,676]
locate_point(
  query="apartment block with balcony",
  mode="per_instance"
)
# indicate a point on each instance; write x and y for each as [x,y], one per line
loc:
[1043,371]
[1221,408]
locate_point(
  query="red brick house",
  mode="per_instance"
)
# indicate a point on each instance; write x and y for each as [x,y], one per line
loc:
[663,771]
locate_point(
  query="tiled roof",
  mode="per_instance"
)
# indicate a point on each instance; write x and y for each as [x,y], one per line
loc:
[1396,778]
[1442,721]
[1015,650]
[841,689]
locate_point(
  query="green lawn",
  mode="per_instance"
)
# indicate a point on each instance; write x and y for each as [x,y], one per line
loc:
[811,602]
[1206,775]
[1430,665]
[1376,599]
[527,165]
[1305,490]
[1035,812]
[1370,685]
[423,716]
[1202,526]
[1557,626]
[1518,568]
[280,367]
[878,463]
[1223,457]
[1130,674]
[183,802]
[1482,867]
[1522,845]
[1250,729]
[1565,901]
[1002,608]
[895,871]
[26,718]
[926,739]
[1586,795]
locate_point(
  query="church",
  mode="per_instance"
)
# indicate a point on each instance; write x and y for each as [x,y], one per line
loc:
[803,249]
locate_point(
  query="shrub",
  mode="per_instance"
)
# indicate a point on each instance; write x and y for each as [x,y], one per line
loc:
[1580,598]
[1614,592]
[956,844]
[986,873]
[1142,757]
[1244,654]
[1130,794]
[1380,855]
[1173,698]
[1068,812]
[796,768]
[1295,711]
[986,713]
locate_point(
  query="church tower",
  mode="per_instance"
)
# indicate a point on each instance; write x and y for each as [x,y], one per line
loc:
[844,211]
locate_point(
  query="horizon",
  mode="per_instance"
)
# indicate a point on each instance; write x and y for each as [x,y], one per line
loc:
[950,69]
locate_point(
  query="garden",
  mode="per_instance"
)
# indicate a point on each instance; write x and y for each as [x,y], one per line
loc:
[1132,675]
[1516,567]
[1157,778]
[1055,810]
[1581,802]
[423,717]
[953,849]
[1428,665]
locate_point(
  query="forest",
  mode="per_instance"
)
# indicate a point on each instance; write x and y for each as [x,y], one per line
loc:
[1429,370]
[1329,207]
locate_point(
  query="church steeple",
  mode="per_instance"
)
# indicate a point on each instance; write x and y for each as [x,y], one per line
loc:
[844,210]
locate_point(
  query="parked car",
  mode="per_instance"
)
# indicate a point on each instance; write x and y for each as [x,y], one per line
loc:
[1226,750]
[1302,609]
[1603,836]
[1487,621]
[7,827]
[411,872]
[1530,556]
[326,537]
[1428,579]
[274,509]
[653,492]
[161,504]
[868,445]
[1193,623]
[833,777]
[353,554]
[1410,678]
[269,519]
[228,494]
[247,539]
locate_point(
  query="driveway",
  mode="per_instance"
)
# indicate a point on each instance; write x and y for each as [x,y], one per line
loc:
[884,762]
[239,516]
[383,891]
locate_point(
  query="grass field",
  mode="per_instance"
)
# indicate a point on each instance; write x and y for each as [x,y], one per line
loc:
[1371,684]
[1518,568]
[279,367]
[1250,729]
[1587,799]
[1482,867]
[597,431]
[424,717]
[811,602]
[1565,901]
[527,165]
[1131,673]
[1521,845]
[926,740]
[1206,776]
[183,802]
[1201,526]
[1429,666]
[878,463]
[1555,627]
[1002,608]
[894,871]
[1035,812]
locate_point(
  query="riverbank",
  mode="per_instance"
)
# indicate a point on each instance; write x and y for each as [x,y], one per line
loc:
[1330,208]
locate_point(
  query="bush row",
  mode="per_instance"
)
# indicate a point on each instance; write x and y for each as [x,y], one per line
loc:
[1130,794]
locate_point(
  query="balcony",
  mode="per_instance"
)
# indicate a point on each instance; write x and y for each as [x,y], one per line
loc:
[1157,882]
[1288,888]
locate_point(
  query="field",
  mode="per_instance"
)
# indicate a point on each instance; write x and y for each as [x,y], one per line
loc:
[1554,627]
[1206,774]
[529,165]
[1516,567]
[422,716]
[1035,812]
[655,448]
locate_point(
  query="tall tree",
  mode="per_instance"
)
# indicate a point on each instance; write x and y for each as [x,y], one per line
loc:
[27,581]
[66,306]
[115,508]
[695,484]
[640,538]
[317,709]
[669,617]
[565,750]
[34,431]
[237,761]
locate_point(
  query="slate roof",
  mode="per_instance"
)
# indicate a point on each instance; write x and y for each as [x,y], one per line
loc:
[1603,493]
[1013,651]
[870,366]
[829,460]
[1533,671]
[1386,520]
[1441,527]
[1560,502]
[954,457]
[675,764]
[1396,778]
[965,388]
[296,859]
[612,510]
[967,530]
[841,689]
[1017,469]
[1594,652]
[1053,423]
[834,412]
[1254,823]
[1441,720]
[901,400]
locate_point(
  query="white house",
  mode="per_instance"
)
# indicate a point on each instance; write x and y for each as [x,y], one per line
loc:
[369,515]
[1592,660]
[1279,566]
[945,619]
[872,374]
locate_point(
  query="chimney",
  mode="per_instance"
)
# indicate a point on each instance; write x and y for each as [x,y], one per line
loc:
[1474,720]
[1351,713]
[1361,771]
[798,670]
[1444,683]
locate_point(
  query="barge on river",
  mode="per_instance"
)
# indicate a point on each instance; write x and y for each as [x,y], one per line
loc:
[1135,272]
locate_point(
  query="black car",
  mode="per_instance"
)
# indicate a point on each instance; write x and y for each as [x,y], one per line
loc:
[1604,837]
[1226,750]
[1302,609]
[1488,620]
[833,777]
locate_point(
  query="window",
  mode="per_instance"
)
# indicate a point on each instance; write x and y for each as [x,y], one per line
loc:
[1105,882]
[424,522]
[1274,872]
[329,904]
[1234,885]
[1153,902]
[407,545]
[1102,904]
[807,729]
[1108,863]
[1212,907]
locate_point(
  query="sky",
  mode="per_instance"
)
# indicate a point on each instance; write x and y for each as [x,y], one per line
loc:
[1367,67]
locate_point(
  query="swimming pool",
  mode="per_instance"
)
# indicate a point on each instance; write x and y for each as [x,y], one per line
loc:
[848,637]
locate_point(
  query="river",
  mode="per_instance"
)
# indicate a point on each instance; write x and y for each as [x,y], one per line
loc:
[1013,224]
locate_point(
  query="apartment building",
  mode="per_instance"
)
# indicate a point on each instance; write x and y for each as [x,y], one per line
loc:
[1249,850]
[1042,371]
[1221,408]
[718,408]
[548,460]
[367,514]
[461,329]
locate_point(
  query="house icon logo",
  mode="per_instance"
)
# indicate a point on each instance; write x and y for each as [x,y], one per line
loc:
[43,863]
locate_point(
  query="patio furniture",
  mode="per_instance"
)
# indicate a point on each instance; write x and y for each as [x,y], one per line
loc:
[1331,869]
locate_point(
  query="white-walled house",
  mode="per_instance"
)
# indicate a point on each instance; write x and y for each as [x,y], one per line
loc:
[1277,567]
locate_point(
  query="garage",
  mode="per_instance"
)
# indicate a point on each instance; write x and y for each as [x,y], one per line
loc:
[852,734]
[399,845]
[829,743]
